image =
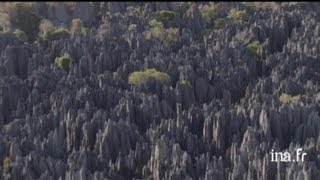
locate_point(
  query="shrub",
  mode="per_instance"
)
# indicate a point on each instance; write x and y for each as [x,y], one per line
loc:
[155,24]
[166,15]
[236,14]
[85,31]
[286,98]
[6,164]
[63,62]
[185,83]
[157,31]
[170,35]
[218,23]
[167,36]
[60,33]
[254,48]
[19,34]
[141,77]
[209,12]
[132,27]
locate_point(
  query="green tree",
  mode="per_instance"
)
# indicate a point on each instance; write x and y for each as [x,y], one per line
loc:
[140,77]
[19,34]
[167,36]
[63,62]
[254,48]
[60,33]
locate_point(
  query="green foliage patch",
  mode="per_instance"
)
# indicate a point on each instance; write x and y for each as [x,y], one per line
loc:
[218,23]
[85,31]
[63,62]
[254,48]
[236,14]
[19,34]
[185,83]
[155,24]
[166,15]
[132,27]
[209,12]
[167,36]
[286,98]
[141,77]
[60,33]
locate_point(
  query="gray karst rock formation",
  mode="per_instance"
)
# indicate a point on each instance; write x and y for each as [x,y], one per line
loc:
[231,82]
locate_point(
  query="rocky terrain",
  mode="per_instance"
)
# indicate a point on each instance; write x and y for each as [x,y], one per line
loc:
[244,78]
